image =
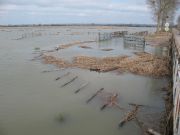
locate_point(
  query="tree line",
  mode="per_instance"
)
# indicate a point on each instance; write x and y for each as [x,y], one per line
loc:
[163,11]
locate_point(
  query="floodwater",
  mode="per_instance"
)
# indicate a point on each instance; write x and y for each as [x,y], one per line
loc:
[31,101]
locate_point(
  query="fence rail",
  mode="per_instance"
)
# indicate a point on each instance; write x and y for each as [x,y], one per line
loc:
[133,40]
[176,83]
[108,36]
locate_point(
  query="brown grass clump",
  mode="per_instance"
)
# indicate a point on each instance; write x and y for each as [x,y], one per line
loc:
[99,64]
[56,61]
[148,64]
[142,64]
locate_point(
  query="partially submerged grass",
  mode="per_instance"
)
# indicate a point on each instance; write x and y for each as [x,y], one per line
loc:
[141,63]
[65,46]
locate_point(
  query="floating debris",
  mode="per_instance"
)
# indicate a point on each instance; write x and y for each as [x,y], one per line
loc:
[112,101]
[93,96]
[81,87]
[73,79]
[129,116]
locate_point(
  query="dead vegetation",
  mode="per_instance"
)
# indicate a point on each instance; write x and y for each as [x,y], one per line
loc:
[111,101]
[56,61]
[129,116]
[141,63]
[65,46]
[158,39]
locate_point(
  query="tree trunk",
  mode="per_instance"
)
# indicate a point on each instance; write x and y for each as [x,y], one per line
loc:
[158,24]
[163,21]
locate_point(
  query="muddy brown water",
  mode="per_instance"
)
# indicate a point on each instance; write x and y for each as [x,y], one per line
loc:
[31,101]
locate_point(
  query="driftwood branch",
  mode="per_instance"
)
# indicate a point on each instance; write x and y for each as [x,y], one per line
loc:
[110,101]
[93,96]
[81,87]
[129,116]
[73,79]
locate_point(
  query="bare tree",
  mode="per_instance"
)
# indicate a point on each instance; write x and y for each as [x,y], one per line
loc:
[163,11]
[178,23]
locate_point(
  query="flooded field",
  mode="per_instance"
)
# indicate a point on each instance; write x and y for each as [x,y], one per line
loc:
[33,102]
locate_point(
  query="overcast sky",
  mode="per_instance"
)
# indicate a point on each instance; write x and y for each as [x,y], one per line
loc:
[74,11]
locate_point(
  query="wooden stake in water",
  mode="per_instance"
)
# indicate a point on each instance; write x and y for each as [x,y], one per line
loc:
[93,96]
[73,79]
[58,78]
[82,86]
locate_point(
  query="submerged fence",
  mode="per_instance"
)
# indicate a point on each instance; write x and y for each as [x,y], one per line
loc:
[131,40]
[108,36]
[176,82]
